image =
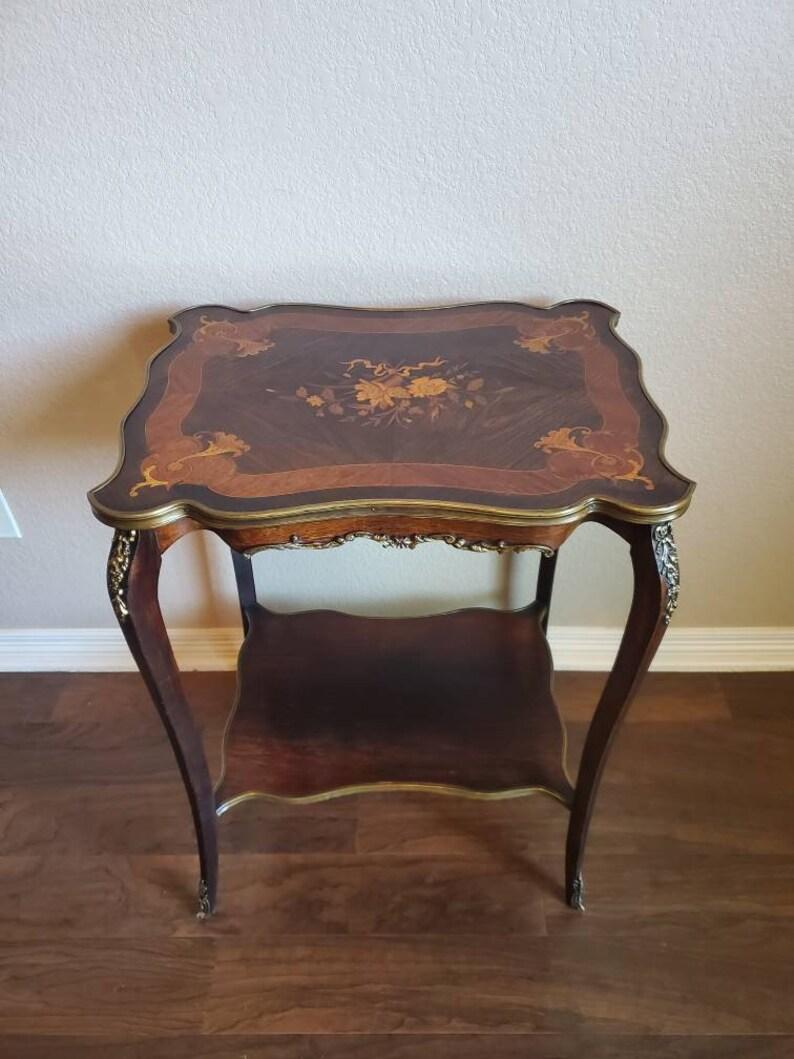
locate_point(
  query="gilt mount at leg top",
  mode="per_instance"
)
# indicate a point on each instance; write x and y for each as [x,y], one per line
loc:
[122,551]
[666,554]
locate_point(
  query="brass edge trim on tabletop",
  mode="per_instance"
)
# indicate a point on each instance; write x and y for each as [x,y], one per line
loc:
[210,518]
[164,514]
[374,788]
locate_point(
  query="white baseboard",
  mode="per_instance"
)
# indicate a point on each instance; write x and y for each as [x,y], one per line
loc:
[688,650]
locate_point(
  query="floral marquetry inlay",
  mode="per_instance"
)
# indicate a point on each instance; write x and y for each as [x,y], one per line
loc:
[499,410]
[382,394]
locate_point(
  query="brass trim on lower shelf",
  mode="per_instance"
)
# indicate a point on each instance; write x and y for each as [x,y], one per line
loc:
[385,786]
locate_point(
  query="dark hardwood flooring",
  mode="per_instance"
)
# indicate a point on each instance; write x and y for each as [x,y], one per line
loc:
[398,926]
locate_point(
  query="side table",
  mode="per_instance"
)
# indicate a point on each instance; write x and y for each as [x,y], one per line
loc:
[487,427]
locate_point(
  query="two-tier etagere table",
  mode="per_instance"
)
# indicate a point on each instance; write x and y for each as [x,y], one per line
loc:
[488,427]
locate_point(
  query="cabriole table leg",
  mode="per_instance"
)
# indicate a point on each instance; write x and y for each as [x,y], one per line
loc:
[548,564]
[133,576]
[655,564]
[246,587]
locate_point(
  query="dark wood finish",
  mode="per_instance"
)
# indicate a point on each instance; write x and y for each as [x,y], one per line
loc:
[400,925]
[330,701]
[246,587]
[323,532]
[644,631]
[546,570]
[249,416]
[485,426]
[415,1046]
[137,607]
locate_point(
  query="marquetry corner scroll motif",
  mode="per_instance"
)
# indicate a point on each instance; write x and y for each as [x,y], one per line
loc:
[379,393]
[410,541]
[159,469]
[557,336]
[596,452]
[230,332]
[121,554]
[666,554]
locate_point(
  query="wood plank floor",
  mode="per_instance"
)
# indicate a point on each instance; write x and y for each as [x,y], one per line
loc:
[398,926]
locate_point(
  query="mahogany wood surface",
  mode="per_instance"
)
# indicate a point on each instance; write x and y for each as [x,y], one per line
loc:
[330,701]
[295,411]
[644,630]
[141,621]
[487,426]
[405,926]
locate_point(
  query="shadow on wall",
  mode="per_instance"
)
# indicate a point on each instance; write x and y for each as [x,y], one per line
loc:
[81,412]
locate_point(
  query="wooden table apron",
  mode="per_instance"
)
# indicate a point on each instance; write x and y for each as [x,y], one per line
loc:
[179,475]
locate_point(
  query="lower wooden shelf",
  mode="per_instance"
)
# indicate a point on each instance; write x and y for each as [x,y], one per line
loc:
[331,704]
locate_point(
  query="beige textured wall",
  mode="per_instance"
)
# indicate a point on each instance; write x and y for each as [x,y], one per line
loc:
[159,155]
